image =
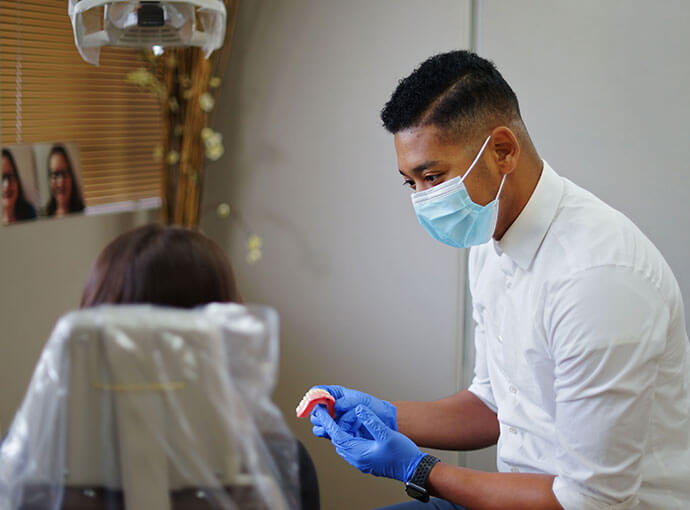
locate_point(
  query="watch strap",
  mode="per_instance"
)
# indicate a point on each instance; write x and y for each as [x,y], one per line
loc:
[421,473]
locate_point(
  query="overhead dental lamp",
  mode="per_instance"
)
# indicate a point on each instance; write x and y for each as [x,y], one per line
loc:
[146,24]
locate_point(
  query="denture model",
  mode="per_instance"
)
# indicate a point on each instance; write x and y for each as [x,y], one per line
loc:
[314,397]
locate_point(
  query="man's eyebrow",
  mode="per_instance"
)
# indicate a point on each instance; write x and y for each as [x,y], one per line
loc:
[420,168]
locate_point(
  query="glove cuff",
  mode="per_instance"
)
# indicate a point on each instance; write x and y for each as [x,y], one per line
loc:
[393,414]
[412,467]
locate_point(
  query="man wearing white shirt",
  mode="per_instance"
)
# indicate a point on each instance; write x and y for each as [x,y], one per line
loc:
[582,366]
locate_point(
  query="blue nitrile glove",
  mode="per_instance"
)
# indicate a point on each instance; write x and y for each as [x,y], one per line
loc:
[349,421]
[347,399]
[389,453]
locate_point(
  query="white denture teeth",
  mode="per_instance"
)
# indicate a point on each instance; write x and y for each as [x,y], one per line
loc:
[312,398]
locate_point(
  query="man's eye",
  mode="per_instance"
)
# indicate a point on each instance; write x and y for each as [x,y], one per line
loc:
[409,183]
[431,178]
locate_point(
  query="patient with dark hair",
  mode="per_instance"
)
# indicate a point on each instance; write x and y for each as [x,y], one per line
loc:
[174,267]
[168,266]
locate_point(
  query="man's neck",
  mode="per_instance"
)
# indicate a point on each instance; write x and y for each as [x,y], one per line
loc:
[521,182]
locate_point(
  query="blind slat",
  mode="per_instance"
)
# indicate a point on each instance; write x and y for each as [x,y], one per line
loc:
[48,10]
[120,184]
[138,192]
[109,196]
[9,81]
[28,19]
[113,143]
[130,170]
[62,47]
[97,122]
[125,181]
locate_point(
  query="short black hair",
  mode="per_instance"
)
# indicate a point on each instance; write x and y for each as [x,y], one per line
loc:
[459,92]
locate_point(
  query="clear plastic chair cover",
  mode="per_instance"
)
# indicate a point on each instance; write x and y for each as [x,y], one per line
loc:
[153,408]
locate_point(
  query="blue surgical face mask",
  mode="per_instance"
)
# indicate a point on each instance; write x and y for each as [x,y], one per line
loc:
[447,212]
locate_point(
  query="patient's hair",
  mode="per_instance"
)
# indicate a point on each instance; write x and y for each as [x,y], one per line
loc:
[458,92]
[169,266]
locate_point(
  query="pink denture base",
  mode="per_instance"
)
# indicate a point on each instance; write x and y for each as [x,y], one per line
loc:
[313,398]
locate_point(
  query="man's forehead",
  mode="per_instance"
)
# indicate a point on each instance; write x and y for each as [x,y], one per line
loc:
[421,146]
[418,135]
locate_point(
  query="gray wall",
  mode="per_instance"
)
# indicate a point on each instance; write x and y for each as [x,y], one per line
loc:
[43,267]
[365,297]
[603,89]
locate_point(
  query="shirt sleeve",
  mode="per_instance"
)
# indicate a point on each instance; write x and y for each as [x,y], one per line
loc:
[608,328]
[481,383]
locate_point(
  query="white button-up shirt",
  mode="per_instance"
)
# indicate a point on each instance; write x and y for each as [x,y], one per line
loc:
[583,354]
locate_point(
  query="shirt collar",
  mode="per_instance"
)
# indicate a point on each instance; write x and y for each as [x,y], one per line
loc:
[523,239]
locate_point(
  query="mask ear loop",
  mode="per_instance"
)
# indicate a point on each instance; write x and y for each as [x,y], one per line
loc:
[498,195]
[479,155]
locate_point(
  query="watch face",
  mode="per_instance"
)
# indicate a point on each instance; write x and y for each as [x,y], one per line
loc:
[415,491]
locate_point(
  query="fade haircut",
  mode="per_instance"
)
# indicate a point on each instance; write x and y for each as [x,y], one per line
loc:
[459,92]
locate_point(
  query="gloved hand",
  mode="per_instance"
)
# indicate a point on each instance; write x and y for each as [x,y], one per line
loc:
[346,400]
[389,453]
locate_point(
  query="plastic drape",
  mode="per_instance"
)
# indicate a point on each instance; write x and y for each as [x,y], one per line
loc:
[153,408]
[98,23]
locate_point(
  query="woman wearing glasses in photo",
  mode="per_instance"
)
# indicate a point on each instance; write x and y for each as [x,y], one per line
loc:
[65,196]
[15,206]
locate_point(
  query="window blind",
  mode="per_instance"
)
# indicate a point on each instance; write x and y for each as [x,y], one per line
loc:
[49,94]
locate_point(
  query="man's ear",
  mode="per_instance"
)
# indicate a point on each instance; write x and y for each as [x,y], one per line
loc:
[505,149]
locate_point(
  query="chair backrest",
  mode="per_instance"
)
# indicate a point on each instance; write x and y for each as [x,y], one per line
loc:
[156,417]
[152,395]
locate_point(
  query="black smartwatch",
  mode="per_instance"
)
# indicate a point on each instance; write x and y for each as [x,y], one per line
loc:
[416,485]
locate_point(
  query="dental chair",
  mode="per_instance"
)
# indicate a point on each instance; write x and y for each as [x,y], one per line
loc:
[142,407]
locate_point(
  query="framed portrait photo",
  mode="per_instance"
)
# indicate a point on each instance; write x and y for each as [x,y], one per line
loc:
[59,177]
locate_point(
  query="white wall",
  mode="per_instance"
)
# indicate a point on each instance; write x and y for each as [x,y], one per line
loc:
[366,298]
[43,267]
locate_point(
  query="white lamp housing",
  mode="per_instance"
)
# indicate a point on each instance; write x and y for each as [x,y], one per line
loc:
[145,24]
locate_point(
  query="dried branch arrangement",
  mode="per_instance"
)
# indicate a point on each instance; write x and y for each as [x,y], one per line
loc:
[187,85]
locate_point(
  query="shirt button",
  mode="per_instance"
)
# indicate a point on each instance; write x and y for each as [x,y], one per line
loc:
[514,469]
[513,430]
[512,389]
[500,339]
[509,284]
